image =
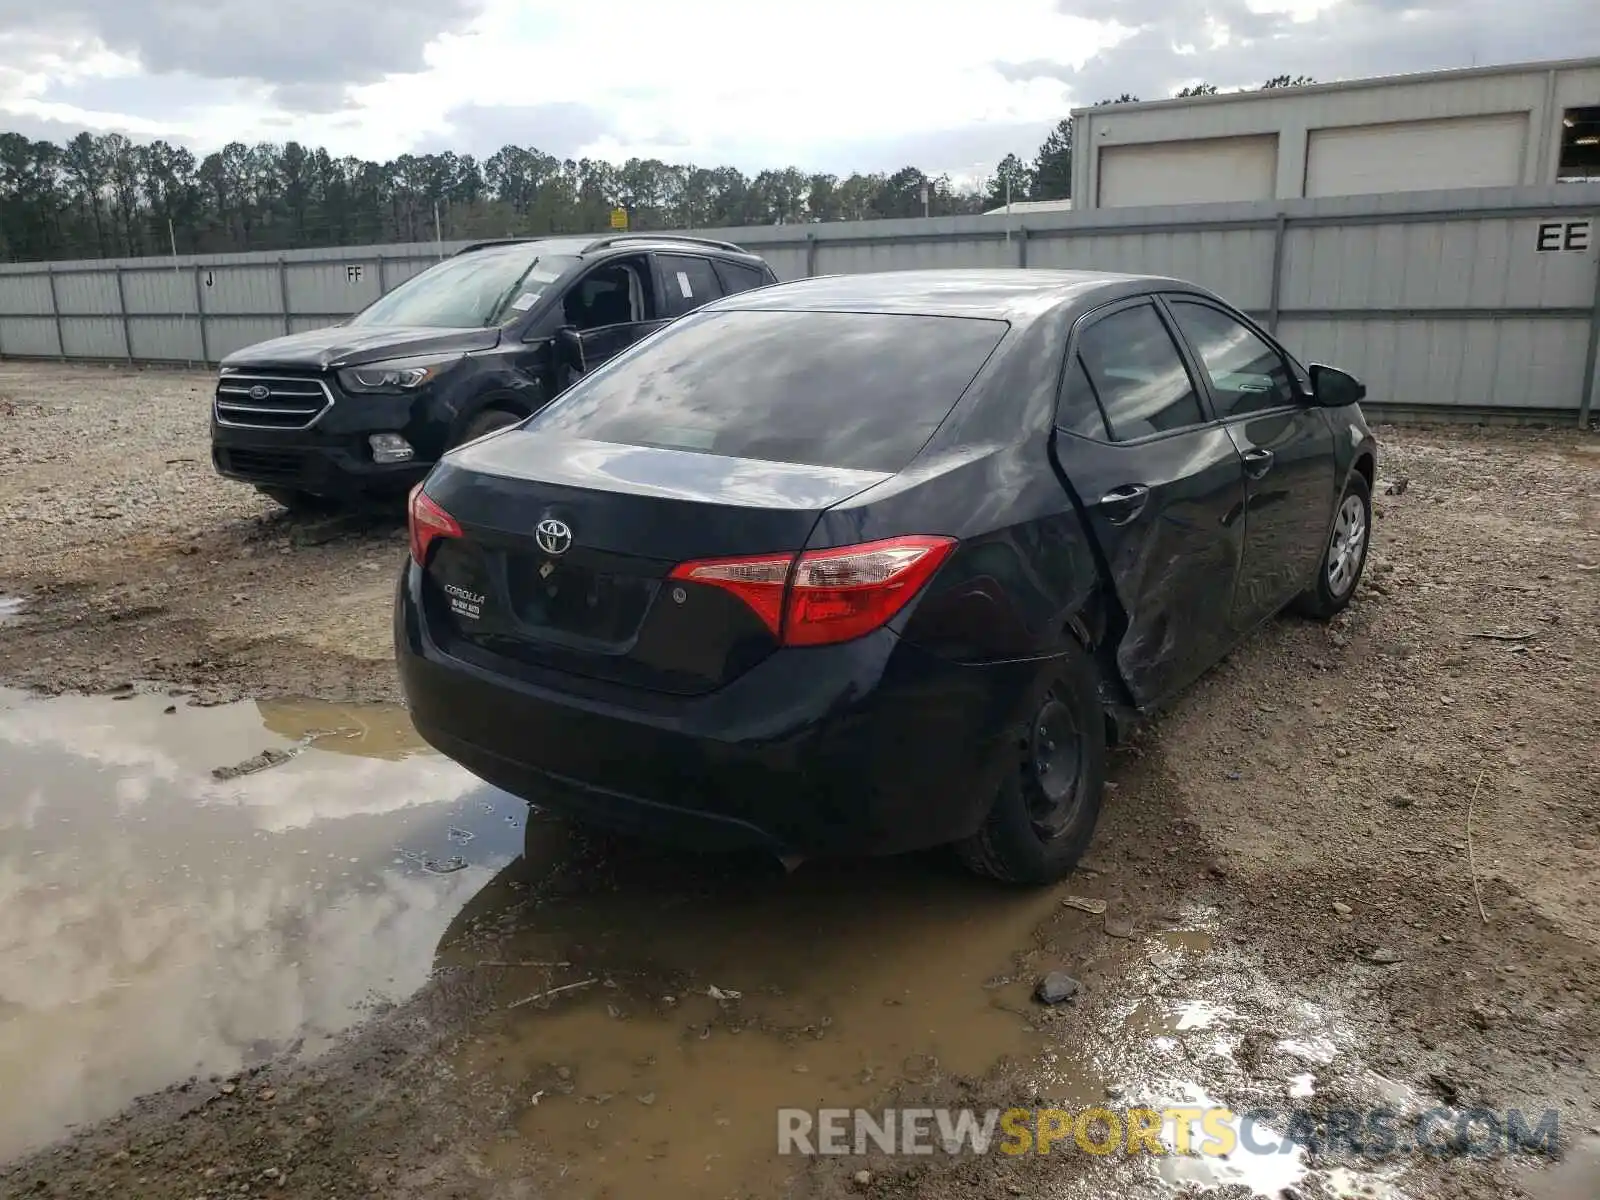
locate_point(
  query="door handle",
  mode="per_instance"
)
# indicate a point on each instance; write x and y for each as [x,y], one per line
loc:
[1123,504]
[1257,463]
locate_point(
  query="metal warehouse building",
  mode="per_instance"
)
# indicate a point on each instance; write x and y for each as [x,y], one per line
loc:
[1533,123]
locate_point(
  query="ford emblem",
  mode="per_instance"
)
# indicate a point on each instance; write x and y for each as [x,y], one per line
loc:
[554,537]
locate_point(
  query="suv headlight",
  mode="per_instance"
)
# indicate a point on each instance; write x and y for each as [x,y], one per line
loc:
[398,374]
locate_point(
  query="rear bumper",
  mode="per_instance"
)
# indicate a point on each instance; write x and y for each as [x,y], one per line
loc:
[871,747]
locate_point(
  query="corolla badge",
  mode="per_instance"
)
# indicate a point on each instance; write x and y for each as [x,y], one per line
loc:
[260,392]
[554,537]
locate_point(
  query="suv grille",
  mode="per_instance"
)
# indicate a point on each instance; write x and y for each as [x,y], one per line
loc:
[271,401]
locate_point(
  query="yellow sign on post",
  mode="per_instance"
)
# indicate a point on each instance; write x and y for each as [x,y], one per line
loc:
[619,218]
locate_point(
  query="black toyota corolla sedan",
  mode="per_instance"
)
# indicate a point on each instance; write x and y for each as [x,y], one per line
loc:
[870,563]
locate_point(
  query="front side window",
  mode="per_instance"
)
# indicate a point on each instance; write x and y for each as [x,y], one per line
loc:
[1246,374]
[617,293]
[856,390]
[484,288]
[1079,409]
[1138,374]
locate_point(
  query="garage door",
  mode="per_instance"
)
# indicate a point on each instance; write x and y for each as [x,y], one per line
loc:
[1194,172]
[1413,156]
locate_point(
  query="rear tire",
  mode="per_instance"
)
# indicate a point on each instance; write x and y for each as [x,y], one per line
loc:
[1049,802]
[1345,556]
[487,421]
[298,502]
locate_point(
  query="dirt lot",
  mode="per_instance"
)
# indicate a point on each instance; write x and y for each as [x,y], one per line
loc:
[1359,862]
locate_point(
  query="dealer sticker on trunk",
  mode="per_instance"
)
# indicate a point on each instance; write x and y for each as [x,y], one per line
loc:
[464,603]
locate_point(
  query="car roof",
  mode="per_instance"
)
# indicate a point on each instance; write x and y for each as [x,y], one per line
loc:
[549,245]
[593,243]
[1015,294]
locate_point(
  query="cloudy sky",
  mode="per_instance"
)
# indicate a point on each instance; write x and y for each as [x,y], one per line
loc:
[836,85]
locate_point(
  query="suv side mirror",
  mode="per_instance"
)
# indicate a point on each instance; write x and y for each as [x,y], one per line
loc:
[569,348]
[1333,388]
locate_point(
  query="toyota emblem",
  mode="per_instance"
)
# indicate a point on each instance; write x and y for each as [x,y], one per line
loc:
[260,392]
[554,537]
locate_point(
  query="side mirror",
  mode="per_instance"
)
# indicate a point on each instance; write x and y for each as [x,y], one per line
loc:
[569,348]
[1333,388]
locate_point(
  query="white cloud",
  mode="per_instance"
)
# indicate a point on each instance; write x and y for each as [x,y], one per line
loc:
[1234,43]
[354,772]
[703,80]
[155,922]
[841,85]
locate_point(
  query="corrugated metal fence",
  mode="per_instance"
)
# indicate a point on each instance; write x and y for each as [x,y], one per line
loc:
[1483,300]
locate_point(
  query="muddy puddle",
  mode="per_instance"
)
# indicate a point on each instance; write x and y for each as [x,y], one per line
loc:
[185,891]
[157,922]
[1202,1027]
[658,1010]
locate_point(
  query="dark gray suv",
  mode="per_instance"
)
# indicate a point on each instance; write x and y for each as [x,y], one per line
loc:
[482,340]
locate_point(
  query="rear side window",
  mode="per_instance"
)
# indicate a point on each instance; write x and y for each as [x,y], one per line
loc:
[856,390]
[1138,376]
[688,283]
[739,277]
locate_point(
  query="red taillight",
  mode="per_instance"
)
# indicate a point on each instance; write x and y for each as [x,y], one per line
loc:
[833,595]
[841,594]
[428,521]
[758,581]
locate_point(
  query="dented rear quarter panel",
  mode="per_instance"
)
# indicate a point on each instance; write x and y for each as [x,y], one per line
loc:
[1024,581]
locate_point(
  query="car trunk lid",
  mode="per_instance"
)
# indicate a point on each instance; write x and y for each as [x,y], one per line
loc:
[567,544]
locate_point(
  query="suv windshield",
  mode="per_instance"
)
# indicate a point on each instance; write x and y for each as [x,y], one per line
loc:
[861,390]
[485,287]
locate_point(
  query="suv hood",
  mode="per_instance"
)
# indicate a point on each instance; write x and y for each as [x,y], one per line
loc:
[344,346]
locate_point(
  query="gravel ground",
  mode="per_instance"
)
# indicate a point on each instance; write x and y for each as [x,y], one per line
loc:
[117,524]
[1394,818]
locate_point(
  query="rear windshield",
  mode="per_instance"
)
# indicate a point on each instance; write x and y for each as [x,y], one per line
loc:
[856,390]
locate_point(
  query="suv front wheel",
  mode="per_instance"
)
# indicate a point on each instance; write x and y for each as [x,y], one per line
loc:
[487,421]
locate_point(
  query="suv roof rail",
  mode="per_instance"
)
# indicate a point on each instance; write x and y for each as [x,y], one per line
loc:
[613,239]
[505,241]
